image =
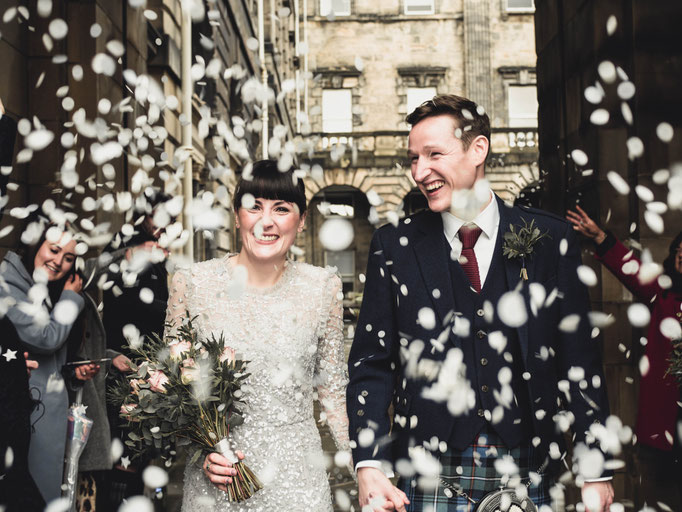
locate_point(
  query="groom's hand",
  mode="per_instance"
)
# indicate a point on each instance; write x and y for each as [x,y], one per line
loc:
[378,492]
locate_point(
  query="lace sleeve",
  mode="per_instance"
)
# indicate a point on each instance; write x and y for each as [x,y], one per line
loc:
[177,302]
[331,373]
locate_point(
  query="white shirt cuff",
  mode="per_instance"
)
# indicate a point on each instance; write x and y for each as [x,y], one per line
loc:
[376,465]
[602,479]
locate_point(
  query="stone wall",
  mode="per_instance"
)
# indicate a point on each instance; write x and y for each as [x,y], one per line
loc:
[572,40]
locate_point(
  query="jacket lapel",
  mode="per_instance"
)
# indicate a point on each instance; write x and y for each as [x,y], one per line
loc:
[431,257]
[512,267]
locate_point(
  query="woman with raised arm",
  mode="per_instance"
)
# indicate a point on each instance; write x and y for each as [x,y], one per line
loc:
[285,319]
[659,413]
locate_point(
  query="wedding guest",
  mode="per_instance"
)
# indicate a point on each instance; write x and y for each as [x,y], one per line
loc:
[43,290]
[659,413]
[93,490]
[123,307]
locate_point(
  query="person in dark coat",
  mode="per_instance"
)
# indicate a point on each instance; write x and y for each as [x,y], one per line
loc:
[127,307]
[467,344]
[18,490]
[659,413]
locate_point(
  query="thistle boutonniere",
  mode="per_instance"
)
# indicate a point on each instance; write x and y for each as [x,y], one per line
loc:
[520,241]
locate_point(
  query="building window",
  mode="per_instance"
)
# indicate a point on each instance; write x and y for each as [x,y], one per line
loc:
[520,5]
[419,7]
[522,103]
[337,111]
[344,261]
[418,95]
[335,7]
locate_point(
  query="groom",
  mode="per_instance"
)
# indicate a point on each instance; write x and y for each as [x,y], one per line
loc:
[473,380]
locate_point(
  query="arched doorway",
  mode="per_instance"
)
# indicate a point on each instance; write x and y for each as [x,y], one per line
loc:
[349,203]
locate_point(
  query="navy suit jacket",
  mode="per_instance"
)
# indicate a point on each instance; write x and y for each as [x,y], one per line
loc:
[401,280]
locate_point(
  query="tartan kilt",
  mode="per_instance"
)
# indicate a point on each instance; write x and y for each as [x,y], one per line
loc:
[473,471]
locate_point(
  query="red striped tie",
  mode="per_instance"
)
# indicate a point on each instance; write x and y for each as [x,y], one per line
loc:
[468,237]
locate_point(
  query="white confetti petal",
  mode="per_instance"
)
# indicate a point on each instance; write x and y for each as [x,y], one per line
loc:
[626,112]
[618,183]
[336,234]
[579,157]
[154,477]
[426,318]
[103,64]
[638,315]
[569,323]
[146,295]
[587,276]
[512,310]
[665,132]
[593,94]
[611,25]
[137,504]
[65,312]
[644,193]
[635,147]
[644,365]
[626,90]
[670,328]
[39,139]
[599,117]
[58,28]
[654,221]
[607,71]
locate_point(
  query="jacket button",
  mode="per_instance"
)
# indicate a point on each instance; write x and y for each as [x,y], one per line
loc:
[480,335]
[480,312]
[480,413]
[361,412]
[484,388]
[364,392]
[484,361]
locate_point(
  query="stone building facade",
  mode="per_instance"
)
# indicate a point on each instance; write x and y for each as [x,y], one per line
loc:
[372,62]
[118,68]
[625,58]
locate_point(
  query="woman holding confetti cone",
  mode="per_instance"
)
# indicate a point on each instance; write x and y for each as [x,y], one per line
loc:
[284,319]
[659,414]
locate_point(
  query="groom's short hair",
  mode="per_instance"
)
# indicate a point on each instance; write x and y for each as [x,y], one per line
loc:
[469,117]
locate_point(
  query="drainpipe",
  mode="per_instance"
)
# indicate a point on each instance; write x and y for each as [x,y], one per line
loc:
[264,78]
[297,36]
[187,88]
[305,58]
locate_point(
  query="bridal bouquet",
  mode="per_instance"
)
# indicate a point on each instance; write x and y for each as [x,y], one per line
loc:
[185,390]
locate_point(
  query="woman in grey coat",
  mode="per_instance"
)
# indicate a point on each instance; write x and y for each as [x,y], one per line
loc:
[41,290]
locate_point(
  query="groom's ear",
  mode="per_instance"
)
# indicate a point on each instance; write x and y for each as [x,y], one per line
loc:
[478,149]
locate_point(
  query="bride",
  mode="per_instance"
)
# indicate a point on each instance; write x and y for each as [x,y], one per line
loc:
[285,319]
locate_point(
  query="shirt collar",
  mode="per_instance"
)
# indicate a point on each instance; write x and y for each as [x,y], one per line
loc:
[487,220]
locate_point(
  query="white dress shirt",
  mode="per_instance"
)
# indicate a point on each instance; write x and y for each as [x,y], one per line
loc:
[489,222]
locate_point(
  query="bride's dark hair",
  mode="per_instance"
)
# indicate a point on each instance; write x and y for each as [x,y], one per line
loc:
[266,181]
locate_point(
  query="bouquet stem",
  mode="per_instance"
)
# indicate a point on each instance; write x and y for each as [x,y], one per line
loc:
[245,483]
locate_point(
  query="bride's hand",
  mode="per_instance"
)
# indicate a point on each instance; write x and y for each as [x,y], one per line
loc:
[219,471]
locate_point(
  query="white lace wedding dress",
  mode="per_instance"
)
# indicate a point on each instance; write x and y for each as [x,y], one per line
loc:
[291,334]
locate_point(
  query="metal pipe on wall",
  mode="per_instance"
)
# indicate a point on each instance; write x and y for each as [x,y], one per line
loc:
[187,90]
[305,59]
[297,37]
[264,79]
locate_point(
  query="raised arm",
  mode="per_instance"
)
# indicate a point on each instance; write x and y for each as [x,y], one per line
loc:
[614,255]
[331,367]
